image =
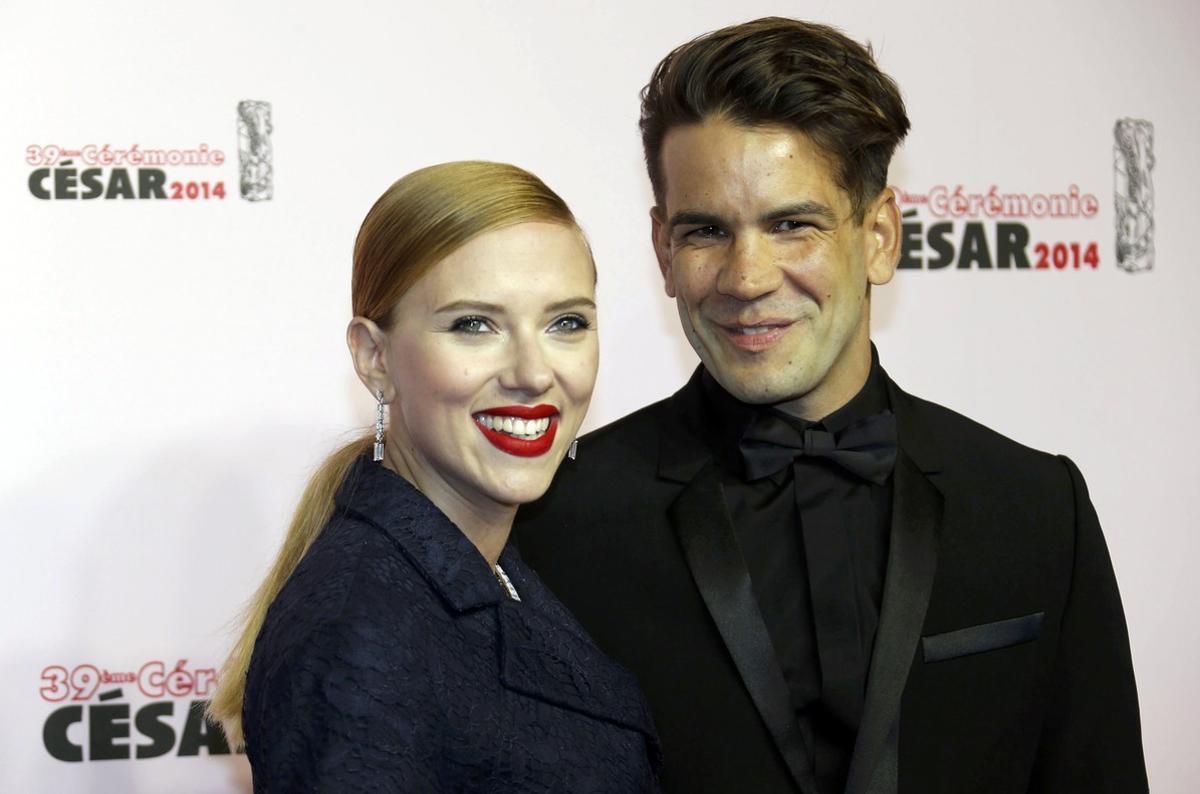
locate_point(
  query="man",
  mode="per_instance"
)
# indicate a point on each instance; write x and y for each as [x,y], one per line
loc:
[825,584]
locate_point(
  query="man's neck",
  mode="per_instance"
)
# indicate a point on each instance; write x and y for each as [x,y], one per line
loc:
[843,381]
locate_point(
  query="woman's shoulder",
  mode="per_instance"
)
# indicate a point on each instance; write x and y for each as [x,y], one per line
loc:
[338,663]
[353,586]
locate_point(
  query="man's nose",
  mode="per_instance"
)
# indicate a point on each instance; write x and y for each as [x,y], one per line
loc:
[749,271]
[528,368]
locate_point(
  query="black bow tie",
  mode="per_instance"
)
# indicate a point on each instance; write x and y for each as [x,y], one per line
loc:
[866,448]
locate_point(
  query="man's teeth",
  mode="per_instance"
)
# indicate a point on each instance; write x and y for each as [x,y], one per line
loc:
[752,330]
[521,428]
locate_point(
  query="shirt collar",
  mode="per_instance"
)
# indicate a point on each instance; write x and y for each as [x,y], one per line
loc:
[730,416]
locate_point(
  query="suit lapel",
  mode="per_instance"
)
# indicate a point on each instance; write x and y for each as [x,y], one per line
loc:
[702,523]
[912,563]
[700,518]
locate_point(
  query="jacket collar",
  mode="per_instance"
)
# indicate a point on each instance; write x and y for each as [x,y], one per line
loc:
[447,559]
[688,443]
[915,437]
[544,653]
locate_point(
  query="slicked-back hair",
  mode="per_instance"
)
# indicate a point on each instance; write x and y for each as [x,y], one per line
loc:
[782,72]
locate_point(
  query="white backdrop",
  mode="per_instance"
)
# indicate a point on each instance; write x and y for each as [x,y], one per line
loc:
[172,369]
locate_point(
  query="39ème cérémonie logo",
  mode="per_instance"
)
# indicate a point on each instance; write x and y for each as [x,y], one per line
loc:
[98,721]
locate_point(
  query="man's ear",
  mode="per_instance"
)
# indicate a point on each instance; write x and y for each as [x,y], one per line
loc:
[662,249]
[883,237]
[369,351]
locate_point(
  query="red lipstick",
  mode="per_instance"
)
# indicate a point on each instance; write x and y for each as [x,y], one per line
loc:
[522,411]
[514,445]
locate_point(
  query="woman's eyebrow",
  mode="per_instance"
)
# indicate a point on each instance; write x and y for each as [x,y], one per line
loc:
[470,306]
[581,302]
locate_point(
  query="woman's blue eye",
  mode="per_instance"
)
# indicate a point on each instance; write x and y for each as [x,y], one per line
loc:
[470,325]
[569,323]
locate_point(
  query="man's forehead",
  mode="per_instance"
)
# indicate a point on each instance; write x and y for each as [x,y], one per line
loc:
[717,162]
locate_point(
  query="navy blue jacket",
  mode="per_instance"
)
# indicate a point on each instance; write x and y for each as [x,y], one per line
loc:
[393,660]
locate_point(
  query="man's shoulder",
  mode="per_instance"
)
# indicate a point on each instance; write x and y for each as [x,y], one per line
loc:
[635,435]
[966,446]
[616,468]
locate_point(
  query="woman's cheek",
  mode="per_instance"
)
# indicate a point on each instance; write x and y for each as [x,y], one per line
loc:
[580,374]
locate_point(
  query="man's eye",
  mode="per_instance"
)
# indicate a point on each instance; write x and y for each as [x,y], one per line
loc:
[791,226]
[570,323]
[471,325]
[704,233]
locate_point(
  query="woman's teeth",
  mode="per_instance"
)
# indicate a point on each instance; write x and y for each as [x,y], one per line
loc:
[527,429]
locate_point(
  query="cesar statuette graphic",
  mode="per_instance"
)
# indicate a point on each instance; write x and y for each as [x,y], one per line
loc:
[254,150]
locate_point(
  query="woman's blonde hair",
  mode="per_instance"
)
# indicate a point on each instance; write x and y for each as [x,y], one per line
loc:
[418,221]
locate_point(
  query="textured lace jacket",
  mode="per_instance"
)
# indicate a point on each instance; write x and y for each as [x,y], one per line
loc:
[393,660]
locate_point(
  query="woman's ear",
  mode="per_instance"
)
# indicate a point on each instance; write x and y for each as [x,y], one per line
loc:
[369,351]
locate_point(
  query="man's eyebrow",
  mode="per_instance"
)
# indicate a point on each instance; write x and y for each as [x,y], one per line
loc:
[801,208]
[694,218]
[809,208]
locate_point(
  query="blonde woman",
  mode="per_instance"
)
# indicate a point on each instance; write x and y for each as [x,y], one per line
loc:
[400,643]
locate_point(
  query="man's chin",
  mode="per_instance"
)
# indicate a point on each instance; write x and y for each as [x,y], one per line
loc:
[758,385]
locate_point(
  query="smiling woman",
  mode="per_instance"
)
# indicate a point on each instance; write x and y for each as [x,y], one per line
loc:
[503,327]
[399,642]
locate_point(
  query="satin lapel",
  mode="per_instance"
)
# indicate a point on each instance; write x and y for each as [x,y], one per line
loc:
[702,523]
[912,562]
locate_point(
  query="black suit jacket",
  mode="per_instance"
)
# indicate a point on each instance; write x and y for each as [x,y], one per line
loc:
[1001,662]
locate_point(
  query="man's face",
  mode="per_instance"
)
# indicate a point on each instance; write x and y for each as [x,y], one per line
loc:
[767,265]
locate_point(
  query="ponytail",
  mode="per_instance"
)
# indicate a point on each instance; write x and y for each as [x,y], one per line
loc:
[311,516]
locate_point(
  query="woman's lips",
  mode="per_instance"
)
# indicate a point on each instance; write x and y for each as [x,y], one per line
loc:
[521,430]
[522,411]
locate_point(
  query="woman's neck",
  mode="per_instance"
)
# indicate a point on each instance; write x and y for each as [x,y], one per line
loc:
[486,524]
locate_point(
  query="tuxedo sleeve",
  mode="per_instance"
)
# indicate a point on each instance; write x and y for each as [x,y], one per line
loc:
[1091,740]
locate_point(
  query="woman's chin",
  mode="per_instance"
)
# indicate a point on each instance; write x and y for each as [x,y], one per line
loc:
[516,491]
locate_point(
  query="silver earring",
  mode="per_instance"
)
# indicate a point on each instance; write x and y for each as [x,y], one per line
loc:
[379,424]
[573,450]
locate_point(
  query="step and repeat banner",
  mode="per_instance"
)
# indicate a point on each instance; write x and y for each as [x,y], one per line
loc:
[180,186]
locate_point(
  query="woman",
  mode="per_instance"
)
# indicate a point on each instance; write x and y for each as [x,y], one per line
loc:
[399,643]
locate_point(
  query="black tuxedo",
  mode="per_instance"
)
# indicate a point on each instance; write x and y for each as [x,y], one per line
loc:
[1001,661]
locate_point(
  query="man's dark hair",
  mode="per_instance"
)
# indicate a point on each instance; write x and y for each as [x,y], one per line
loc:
[776,71]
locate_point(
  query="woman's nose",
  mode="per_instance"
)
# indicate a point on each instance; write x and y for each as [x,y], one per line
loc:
[528,370]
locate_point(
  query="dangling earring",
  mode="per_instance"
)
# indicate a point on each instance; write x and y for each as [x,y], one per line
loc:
[573,450]
[379,424]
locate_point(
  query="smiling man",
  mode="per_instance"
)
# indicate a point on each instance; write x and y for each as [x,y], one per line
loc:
[824,583]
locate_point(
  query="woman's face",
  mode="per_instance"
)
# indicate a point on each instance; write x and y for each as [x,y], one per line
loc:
[493,356]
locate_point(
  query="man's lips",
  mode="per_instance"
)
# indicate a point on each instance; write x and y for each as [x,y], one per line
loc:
[755,336]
